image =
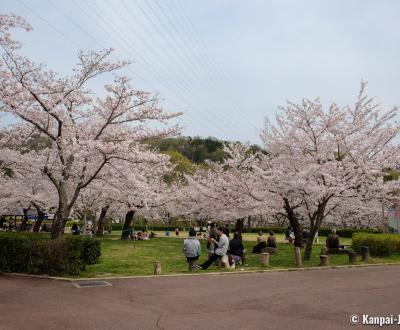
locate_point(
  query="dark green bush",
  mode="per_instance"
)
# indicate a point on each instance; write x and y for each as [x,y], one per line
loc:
[379,244]
[348,232]
[275,229]
[345,233]
[36,254]
[91,251]
[116,226]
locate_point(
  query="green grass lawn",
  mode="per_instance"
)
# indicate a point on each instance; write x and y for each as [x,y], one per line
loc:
[127,258]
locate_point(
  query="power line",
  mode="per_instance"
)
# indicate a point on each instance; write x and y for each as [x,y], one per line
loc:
[193,31]
[186,59]
[65,36]
[99,43]
[181,90]
[150,66]
[190,46]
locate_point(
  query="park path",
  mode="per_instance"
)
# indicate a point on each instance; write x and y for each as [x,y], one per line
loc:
[312,299]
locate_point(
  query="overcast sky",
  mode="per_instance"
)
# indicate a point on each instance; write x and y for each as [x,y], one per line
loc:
[229,63]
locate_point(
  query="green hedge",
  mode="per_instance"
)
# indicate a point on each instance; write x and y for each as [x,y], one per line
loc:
[91,251]
[276,230]
[118,227]
[348,232]
[36,254]
[379,244]
[344,233]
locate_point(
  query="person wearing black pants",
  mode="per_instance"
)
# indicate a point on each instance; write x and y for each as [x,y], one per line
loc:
[222,249]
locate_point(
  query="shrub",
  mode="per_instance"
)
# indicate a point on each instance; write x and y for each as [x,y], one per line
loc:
[116,226]
[36,254]
[91,251]
[379,244]
[347,232]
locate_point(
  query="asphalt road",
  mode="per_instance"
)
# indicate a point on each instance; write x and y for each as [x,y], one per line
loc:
[314,299]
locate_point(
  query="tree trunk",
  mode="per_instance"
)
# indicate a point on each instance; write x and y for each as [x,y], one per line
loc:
[102,221]
[239,226]
[249,223]
[62,214]
[95,224]
[127,224]
[38,222]
[294,223]
[23,225]
[57,227]
[315,225]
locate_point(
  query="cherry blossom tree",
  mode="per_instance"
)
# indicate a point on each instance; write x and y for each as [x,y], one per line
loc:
[316,161]
[226,191]
[86,134]
[27,190]
[323,157]
[127,188]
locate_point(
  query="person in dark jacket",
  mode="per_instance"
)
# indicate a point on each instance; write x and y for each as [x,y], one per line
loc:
[332,241]
[271,241]
[289,235]
[261,243]
[74,229]
[236,249]
[305,235]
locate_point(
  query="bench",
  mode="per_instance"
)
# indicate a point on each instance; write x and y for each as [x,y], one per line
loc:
[343,249]
[270,250]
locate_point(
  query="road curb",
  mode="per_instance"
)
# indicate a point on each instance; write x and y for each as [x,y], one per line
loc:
[258,271]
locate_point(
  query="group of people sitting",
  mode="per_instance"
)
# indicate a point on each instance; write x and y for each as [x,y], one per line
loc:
[218,247]
[141,235]
[264,243]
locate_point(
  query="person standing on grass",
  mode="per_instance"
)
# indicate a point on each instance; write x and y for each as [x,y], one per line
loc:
[74,229]
[191,248]
[222,248]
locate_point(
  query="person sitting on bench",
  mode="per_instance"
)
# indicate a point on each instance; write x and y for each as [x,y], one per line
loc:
[332,242]
[236,249]
[305,235]
[271,241]
[262,243]
[192,249]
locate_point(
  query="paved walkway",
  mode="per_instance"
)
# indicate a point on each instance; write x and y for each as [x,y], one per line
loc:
[314,299]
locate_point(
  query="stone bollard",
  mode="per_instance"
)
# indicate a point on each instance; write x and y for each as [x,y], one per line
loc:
[157,268]
[264,258]
[224,262]
[365,253]
[297,255]
[324,260]
[244,259]
[352,258]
